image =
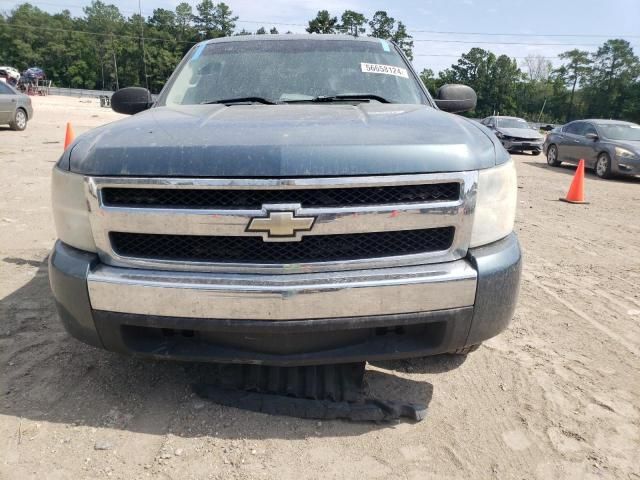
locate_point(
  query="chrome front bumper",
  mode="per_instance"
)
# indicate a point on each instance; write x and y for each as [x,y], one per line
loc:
[283,297]
[522,144]
[296,319]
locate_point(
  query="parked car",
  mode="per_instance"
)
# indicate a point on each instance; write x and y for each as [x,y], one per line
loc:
[290,200]
[15,107]
[10,75]
[515,134]
[610,147]
[34,74]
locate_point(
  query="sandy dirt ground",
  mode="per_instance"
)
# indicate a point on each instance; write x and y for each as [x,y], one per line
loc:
[555,396]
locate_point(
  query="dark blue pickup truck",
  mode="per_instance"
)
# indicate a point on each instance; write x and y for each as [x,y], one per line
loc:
[287,200]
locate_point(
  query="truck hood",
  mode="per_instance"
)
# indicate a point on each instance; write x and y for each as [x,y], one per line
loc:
[283,141]
[526,133]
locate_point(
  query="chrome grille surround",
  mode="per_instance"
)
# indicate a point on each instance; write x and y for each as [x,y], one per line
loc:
[329,220]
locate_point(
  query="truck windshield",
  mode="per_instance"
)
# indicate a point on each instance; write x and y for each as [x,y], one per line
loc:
[295,70]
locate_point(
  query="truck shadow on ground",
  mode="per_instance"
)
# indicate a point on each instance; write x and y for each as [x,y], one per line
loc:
[47,376]
[571,170]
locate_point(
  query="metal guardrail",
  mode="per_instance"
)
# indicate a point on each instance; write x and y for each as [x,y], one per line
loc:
[103,95]
[79,92]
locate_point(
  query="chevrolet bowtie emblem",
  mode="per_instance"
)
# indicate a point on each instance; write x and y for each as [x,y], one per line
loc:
[280,226]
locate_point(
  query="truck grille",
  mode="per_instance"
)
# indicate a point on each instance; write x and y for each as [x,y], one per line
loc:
[317,248]
[248,199]
[358,223]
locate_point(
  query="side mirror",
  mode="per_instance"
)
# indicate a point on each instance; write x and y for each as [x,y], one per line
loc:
[592,136]
[131,100]
[455,98]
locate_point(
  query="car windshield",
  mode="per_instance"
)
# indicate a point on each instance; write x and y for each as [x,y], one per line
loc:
[629,131]
[512,123]
[295,70]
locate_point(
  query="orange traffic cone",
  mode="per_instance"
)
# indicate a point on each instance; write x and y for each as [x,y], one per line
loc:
[69,136]
[576,190]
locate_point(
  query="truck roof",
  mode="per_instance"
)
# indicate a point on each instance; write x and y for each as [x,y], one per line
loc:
[292,36]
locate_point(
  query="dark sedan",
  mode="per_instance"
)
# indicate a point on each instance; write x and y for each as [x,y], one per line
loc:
[607,146]
[515,134]
[15,107]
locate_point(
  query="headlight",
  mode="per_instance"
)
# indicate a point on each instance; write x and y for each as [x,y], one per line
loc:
[624,153]
[70,210]
[495,204]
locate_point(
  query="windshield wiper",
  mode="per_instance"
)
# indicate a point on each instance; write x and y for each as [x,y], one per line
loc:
[238,100]
[341,98]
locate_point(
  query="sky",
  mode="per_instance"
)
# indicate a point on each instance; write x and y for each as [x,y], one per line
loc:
[583,24]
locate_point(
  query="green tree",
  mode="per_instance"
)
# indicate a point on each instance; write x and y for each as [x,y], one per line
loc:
[163,19]
[403,40]
[226,20]
[611,80]
[632,104]
[504,77]
[352,23]
[574,72]
[430,80]
[184,18]
[273,31]
[261,31]
[495,80]
[557,99]
[323,23]
[214,20]
[382,25]
[205,21]
[106,23]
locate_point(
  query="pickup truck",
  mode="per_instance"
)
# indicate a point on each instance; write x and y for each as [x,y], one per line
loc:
[287,200]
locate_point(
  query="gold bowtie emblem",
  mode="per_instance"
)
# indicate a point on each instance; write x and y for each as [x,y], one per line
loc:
[280,225]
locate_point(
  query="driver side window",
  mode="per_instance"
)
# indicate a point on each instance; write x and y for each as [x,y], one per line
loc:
[574,128]
[588,128]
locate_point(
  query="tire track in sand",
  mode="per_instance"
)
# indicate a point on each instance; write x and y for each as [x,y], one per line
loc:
[614,336]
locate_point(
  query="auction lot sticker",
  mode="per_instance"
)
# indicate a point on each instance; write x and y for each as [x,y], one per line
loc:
[386,69]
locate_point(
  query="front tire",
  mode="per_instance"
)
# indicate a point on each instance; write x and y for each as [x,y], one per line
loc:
[535,153]
[19,122]
[603,165]
[552,156]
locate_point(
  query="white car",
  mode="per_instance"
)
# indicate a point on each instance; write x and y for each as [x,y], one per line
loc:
[11,72]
